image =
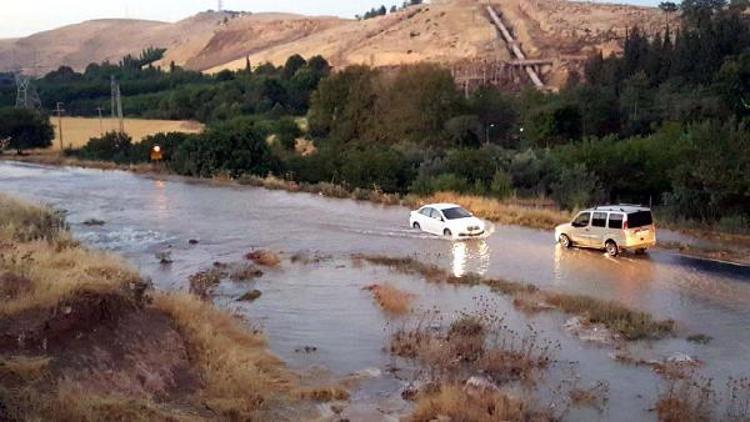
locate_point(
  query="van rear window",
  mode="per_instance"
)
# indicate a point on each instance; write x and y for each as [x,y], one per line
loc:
[640,219]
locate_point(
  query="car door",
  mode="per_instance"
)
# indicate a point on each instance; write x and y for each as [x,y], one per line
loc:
[579,232]
[436,222]
[597,233]
[423,218]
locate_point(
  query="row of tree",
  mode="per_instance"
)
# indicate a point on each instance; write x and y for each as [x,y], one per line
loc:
[152,92]
[382,10]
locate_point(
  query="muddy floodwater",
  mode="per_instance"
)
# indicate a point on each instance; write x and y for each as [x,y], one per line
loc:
[320,303]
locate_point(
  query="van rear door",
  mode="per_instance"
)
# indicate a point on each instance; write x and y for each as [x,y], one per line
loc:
[640,228]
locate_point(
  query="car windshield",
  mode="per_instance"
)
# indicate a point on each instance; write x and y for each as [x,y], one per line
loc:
[456,213]
[640,219]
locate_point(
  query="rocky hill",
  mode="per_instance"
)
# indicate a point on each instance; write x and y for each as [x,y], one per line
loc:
[448,32]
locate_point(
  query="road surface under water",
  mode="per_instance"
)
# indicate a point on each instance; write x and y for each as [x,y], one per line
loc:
[322,304]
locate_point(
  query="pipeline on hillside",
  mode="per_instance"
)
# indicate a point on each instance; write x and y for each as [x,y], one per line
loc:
[495,17]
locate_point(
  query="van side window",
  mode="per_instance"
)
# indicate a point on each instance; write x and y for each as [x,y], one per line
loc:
[582,220]
[599,220]
[615,221]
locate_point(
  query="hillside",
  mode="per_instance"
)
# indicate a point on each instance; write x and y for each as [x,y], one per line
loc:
[448,32]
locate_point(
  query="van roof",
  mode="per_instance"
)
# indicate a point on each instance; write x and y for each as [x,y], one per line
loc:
[626,208]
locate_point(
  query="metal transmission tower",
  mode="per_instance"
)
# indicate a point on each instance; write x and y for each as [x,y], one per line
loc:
[116,103]
[26,95]
[221,6]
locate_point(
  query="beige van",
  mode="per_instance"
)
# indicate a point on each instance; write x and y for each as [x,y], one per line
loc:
[613,228]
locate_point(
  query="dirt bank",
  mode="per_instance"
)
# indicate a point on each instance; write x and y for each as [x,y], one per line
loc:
[82,337]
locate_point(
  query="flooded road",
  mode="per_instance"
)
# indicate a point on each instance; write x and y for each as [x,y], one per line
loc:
[322,304]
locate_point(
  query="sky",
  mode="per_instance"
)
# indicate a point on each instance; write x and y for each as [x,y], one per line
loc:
[20,18]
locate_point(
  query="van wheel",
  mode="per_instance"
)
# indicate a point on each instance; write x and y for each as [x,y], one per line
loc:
[565,241]
[611,247]
[447,233]
[416,226]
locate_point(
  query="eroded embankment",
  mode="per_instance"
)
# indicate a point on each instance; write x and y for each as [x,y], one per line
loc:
[83,338]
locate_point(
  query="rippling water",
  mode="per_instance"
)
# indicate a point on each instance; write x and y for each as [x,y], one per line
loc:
[322,304]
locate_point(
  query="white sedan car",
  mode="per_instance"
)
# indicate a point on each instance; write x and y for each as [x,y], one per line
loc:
[449,220]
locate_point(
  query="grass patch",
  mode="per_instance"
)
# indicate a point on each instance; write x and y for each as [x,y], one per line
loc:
[264,257]
[241,377]
[25,222]
[111,351]
[391,299]
[453,402]
[27,368]
[686,400]
[631,324]
[323,394]
[545,218]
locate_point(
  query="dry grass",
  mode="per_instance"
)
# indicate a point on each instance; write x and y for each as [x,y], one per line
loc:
[226,371]
[504,212]
[264,257]
[466,363]
[36,247]
[595,396]
[23,222]
[690,399]
[77,131]
[202,282]
[471,344]
[454,403]
[241,377]
[391,299]
[323,394]
[27,368]
[71,403]
[631,324]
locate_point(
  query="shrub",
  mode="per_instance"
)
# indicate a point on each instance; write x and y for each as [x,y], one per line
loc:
[379,167]
[502,185]
[576,187]
[234,148]
[24,129]
[112,146]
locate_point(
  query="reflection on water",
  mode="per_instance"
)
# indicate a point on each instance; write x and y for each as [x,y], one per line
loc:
[470,257]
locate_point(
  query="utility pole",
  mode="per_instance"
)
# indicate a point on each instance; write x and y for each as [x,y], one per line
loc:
[59,111]
[101,125]
[116,102]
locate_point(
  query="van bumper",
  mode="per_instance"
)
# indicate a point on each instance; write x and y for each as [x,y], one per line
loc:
[638,245]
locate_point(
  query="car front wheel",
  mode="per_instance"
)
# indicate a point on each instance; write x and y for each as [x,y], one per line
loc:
[565,241]
[416,226]
[611,248]
[447,233]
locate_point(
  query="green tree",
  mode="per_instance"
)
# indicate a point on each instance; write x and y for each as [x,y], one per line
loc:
[464,131]
[22,129]
[292,65]
[497,114]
